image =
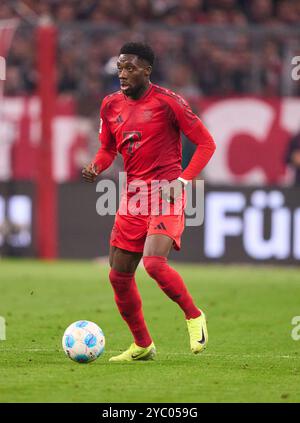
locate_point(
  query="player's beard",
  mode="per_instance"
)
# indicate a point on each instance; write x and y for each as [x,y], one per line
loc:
[134,91]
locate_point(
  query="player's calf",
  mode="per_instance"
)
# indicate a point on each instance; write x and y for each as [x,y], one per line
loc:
[171,283]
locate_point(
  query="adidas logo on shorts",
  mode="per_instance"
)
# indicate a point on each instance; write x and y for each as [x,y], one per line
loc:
[161,226]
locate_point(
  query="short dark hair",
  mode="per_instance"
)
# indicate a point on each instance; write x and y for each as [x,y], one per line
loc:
[141,50]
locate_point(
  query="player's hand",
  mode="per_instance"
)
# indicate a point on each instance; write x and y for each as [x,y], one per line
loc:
[172,191]
[90,173]
[296,158]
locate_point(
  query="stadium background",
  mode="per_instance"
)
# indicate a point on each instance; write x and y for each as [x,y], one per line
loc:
[232,59]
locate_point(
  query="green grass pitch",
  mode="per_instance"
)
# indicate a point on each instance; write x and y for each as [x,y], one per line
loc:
[251,356]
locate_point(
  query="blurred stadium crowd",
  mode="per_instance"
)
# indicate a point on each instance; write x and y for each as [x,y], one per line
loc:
[171,12]
[193,58]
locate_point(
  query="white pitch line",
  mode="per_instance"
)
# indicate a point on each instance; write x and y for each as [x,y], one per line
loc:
[205,354]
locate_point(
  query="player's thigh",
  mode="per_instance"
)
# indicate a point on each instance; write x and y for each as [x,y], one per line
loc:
[158,245]
[129,232]
[164,232]
[123,260]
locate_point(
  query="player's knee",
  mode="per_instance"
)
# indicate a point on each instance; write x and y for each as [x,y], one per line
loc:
[112,276]
[120,282]
[126,296]
[113,280]
[153,265]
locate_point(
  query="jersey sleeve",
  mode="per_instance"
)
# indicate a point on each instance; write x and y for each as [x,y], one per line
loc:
[196,132]
[107,151]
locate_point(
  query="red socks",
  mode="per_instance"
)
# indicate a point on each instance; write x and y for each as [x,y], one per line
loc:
[172,284]
[129,301]
[129,304]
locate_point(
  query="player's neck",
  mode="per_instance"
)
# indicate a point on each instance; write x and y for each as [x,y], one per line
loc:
[140,92]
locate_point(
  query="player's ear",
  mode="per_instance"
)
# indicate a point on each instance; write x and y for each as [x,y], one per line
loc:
[148,70]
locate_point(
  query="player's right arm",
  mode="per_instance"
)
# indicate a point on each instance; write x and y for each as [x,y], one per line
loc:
[106,153]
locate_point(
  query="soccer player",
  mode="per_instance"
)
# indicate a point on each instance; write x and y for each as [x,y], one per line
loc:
[143,122]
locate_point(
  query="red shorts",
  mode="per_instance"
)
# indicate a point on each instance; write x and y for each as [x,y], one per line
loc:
[130,231]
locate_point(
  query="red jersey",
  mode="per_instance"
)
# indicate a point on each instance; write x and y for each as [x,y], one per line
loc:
[147,134]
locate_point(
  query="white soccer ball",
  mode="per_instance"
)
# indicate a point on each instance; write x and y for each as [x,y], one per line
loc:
[83,341]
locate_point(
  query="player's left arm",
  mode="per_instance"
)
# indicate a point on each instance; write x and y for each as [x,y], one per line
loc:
[196,132]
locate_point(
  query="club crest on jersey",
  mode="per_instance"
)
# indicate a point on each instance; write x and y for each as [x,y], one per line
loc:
[147,115]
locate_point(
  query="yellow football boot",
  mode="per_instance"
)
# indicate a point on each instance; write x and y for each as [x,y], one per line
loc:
[198,333]
[135,353]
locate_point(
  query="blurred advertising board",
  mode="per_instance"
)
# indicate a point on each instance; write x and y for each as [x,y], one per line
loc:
[17,219]
[241,225]
[251,133]
[249,224]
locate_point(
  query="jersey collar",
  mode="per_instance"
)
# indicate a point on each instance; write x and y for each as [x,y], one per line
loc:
[146,93]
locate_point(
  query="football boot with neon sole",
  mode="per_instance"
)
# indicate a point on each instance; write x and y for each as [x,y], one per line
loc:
[198,333]
[135,353]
